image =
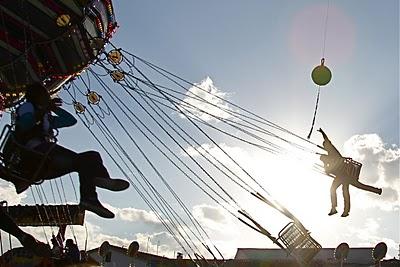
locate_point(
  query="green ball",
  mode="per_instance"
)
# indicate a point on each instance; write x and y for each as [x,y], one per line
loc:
[321,75]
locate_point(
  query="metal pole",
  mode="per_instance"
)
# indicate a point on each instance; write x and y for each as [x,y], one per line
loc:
[1,243]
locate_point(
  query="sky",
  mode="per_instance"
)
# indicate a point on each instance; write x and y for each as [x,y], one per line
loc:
[259,55]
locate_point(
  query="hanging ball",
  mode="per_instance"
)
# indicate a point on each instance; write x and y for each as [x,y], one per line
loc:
[321,75]
[63,20]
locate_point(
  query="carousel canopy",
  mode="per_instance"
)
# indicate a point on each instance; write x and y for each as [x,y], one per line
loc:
[49,41]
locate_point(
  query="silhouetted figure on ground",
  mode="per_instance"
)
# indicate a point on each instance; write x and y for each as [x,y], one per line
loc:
[28,241]
[72,253]
[58,242]
[34,127]
[335,166]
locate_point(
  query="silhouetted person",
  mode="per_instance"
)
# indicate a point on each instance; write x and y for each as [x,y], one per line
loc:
[27,241]
[72,253]
[58,242]
[34,127]
[333,165]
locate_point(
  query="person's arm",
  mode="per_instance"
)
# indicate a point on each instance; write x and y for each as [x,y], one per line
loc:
[323,134]
[328,146]
[63,119]
[61,234]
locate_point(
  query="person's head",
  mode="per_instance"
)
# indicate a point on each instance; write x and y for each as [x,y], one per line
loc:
[38,95]
[54,241]
[69,243]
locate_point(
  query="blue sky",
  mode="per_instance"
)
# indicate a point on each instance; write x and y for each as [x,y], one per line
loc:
[261,53]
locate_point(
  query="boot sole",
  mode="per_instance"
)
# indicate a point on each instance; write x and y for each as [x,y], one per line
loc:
[111,184]
[100,211]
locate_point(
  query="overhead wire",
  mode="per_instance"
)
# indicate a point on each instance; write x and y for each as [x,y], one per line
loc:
[163,179]
[152,189]
[278,206]
[115,97]
[150,205]
[255,117]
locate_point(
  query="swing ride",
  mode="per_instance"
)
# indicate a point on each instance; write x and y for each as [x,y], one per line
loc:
[119,97]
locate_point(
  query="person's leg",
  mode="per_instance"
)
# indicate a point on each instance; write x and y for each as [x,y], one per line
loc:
[334,186]
[346,197]
[91,165]
[62,161]
[365,187]
[8,225]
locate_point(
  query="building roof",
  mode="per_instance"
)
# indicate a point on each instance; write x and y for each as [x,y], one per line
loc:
[141,255]
[355,255]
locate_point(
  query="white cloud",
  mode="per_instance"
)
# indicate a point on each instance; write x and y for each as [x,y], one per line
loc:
[207,99]
[212,217]
[7,193]
[368,235]
[136,215]
[161,242]
[381,163]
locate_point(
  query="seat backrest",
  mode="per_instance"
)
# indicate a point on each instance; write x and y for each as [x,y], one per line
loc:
[12,153]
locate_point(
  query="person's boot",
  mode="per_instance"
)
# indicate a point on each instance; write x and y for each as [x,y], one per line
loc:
[95,206]
[20,186]
[111,184]
[345,214]
[379,192]
[37,247]
[332,212]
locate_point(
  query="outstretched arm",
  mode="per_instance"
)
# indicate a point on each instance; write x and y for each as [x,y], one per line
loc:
[63,118]
[328,146]
[323,134]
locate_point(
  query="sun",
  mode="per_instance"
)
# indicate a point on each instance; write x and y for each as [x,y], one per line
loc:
[295,184]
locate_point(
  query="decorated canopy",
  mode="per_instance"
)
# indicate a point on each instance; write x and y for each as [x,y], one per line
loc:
[49,41]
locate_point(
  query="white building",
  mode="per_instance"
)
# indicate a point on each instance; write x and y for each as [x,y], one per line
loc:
[117,256]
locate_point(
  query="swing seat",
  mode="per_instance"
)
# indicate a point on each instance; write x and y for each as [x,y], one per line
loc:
[342,167]
[348,168]
[351,168]
[298,242]
[19,164]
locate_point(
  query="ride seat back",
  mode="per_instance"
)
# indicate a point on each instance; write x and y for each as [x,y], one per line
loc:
[299,243]
[18,161]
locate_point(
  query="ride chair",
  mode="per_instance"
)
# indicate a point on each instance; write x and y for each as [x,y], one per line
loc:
[19,164]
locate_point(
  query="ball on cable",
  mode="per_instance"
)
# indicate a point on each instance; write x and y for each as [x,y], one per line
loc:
[321,75]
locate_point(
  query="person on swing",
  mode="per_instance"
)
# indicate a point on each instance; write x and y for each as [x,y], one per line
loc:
[333,163]
[34,124]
